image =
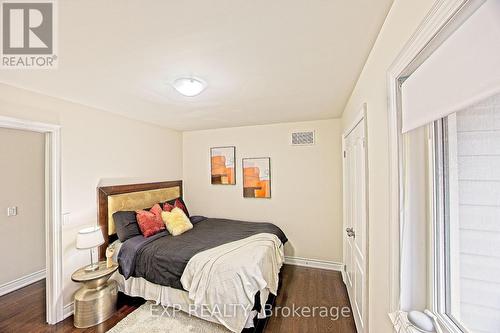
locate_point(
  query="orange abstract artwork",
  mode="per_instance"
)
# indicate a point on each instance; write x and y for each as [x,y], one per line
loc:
[257,177]
[222,165]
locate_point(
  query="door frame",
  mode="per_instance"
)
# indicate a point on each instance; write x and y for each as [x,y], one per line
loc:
[53,229]
[360,116]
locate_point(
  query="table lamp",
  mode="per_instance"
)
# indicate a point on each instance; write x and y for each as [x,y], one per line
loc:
[87,239]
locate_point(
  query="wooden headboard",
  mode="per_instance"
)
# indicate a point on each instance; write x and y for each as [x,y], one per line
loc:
[111,199]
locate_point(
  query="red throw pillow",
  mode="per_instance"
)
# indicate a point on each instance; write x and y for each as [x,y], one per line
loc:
[150,222]
[169,205]
[180,204]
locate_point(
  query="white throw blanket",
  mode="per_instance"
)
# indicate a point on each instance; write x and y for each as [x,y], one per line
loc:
[225,279]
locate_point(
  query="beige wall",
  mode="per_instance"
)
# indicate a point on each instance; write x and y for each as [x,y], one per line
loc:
[96,146]
[22,179]
[371,88]
[99,145]
[306,183]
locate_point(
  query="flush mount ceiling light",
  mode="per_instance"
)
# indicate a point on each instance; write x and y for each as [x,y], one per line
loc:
[189,86]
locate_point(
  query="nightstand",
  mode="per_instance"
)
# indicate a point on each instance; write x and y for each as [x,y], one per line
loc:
[95,301]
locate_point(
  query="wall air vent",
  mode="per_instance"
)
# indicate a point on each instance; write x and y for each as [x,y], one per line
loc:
[303,138]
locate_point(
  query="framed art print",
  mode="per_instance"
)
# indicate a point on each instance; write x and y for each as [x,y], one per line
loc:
[257,177]
[222,165]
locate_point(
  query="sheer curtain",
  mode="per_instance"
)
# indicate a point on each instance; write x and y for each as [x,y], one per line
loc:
[413,228]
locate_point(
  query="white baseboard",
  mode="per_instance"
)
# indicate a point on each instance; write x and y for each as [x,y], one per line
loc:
[22,282]
[315,263]
[68,310]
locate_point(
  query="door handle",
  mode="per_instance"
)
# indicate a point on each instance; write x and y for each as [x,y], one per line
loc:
[350,232]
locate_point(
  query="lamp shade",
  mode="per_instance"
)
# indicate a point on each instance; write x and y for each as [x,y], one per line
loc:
[89,238]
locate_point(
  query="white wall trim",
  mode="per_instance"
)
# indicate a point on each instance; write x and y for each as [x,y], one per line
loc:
[443,18]
[315,263]
[22,282]
[359,116]
[68,310]
[53,230]
[21,124]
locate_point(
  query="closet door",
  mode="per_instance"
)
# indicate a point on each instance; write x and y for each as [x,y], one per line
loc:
[355,223]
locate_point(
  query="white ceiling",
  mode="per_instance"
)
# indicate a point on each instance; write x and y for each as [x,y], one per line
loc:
[265,61]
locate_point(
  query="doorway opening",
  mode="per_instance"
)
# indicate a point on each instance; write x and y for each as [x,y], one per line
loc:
[52,211]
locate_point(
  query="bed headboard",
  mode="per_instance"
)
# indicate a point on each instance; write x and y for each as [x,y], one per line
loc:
[111,199]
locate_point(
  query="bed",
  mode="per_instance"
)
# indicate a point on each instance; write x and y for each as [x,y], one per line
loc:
[173,271]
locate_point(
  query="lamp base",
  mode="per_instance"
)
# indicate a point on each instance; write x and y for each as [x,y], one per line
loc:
[92,268]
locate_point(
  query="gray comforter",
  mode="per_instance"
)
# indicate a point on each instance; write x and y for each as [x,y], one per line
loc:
[162,258]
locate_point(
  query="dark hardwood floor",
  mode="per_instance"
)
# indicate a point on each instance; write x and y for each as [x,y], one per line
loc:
[24,310]
[310,287]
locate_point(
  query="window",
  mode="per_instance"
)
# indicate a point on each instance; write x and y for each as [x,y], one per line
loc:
[466,214]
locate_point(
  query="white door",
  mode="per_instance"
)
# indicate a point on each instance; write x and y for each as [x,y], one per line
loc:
[355,223]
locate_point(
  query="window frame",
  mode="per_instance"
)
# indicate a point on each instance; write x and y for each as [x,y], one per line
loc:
[442,228]
[442,20]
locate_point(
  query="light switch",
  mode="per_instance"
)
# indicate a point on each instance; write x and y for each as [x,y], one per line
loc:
[66,219]
[12,211]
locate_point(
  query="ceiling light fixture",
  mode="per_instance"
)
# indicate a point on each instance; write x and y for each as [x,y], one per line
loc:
[189,86]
